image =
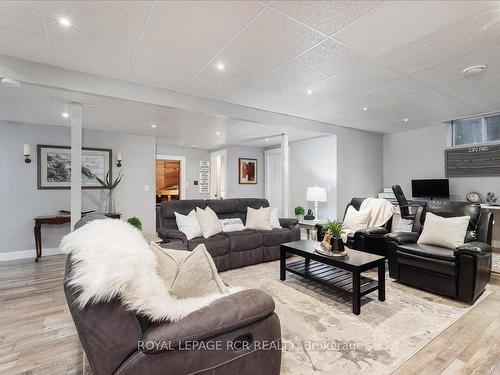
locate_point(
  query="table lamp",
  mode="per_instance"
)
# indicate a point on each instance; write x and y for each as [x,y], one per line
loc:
[316,194]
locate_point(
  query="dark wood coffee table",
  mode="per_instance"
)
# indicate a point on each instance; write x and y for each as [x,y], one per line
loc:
[342,274]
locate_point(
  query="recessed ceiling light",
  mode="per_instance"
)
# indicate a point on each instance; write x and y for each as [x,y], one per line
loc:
[63,21]
[405,120]
[194,145]
[365,108]
[309,92]
[218,133]
[153,126]
[65,114]
[266,140]
[220,66]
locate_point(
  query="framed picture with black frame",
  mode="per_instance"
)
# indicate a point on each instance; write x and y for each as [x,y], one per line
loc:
[247,171]
[54,166]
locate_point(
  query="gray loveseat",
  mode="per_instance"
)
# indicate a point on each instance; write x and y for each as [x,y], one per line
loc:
[232,249]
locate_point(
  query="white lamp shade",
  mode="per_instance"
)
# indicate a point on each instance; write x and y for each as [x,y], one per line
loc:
[316,194]
[27,150]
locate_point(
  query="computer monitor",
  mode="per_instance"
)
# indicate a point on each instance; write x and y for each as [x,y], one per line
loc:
[433,188]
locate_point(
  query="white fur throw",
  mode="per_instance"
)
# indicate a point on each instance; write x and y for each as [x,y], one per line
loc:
[112,259]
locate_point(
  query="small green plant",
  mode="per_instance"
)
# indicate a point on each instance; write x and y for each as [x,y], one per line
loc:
[334,227]
[299,210]
[136,222]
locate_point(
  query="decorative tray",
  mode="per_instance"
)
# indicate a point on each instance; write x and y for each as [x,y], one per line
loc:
[320,250]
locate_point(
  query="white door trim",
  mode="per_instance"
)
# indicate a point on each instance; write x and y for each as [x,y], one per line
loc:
[213,156]
[182,159]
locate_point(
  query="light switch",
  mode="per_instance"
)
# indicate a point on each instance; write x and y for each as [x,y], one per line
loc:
[146,187]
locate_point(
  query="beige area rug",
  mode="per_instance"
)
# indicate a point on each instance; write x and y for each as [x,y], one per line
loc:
[321,335]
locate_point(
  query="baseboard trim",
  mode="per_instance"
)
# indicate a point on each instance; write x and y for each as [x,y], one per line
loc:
[495,244]
[26,254]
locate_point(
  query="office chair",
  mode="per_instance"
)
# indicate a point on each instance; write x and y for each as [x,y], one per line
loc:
[403,204]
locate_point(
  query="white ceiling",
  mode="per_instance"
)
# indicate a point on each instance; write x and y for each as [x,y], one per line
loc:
[173,127]
[400,59]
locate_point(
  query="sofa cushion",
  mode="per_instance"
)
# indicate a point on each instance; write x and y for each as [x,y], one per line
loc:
[454,209]
[254,203]
[429,251]
[446,267]
[276,236]
[244,239]
[216,245]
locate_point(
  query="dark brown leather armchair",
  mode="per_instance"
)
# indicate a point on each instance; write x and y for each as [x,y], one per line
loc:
[460,273]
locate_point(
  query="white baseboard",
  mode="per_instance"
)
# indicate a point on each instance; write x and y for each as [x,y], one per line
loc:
[495,244]
[26,254]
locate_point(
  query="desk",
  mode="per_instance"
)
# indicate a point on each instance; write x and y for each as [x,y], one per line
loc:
[54,220]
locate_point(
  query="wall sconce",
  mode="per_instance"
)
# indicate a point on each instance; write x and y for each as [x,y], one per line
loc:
[118,159]
[27,153]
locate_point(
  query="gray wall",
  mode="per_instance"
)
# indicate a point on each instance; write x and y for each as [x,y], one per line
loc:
[359,166]
[419,153]
[234,188]
[314,162]
[193,158]
[22,201]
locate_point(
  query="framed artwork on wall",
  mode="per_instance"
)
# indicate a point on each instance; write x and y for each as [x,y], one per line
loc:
[54,166]
[247,171]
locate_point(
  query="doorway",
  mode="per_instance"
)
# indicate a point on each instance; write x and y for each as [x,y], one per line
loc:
[218,174]
[170,178]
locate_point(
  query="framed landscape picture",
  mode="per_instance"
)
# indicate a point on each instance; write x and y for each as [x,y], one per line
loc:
[54,166]
[248,171]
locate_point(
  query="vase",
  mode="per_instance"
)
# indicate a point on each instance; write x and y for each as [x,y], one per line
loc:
[110,202]
[337,244]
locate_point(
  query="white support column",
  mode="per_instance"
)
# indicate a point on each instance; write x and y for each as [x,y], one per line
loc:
[285,198]
[75,112]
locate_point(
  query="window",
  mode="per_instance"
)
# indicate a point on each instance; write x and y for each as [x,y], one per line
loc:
[476,130]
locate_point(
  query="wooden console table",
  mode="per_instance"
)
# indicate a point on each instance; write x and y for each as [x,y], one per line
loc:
[54,220]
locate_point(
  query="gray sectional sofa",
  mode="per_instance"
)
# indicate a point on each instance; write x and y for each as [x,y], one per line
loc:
[232,249]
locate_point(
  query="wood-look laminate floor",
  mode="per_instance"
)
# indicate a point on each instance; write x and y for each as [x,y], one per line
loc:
[37,335]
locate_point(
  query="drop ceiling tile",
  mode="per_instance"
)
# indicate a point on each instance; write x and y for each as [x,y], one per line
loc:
[487,100]
[167,115]
[389,90]
[82,58]
[323,61]
[24,45]
[158,73]
[397,23]
[449,71]
[251,98]
[214,84]
[192,32]
[113,25]
[21,15]
[269,41]
[354,81]
[326,16]
[470,36]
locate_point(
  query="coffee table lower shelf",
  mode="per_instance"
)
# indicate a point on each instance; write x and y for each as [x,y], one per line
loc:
[331,276]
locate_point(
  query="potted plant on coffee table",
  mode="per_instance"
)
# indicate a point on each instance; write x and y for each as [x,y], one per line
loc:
[334,228]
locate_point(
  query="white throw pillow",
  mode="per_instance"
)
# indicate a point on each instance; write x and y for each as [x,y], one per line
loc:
[356,220]
[188,224]
[259,219]
[446,232]
[273,219]
[188,273]
[232,225]
[209,222]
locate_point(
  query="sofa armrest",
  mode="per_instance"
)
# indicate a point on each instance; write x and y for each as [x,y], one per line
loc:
[288,222]
[372,231]
[171,234]
[223,315]
[473,248]
[402,238]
